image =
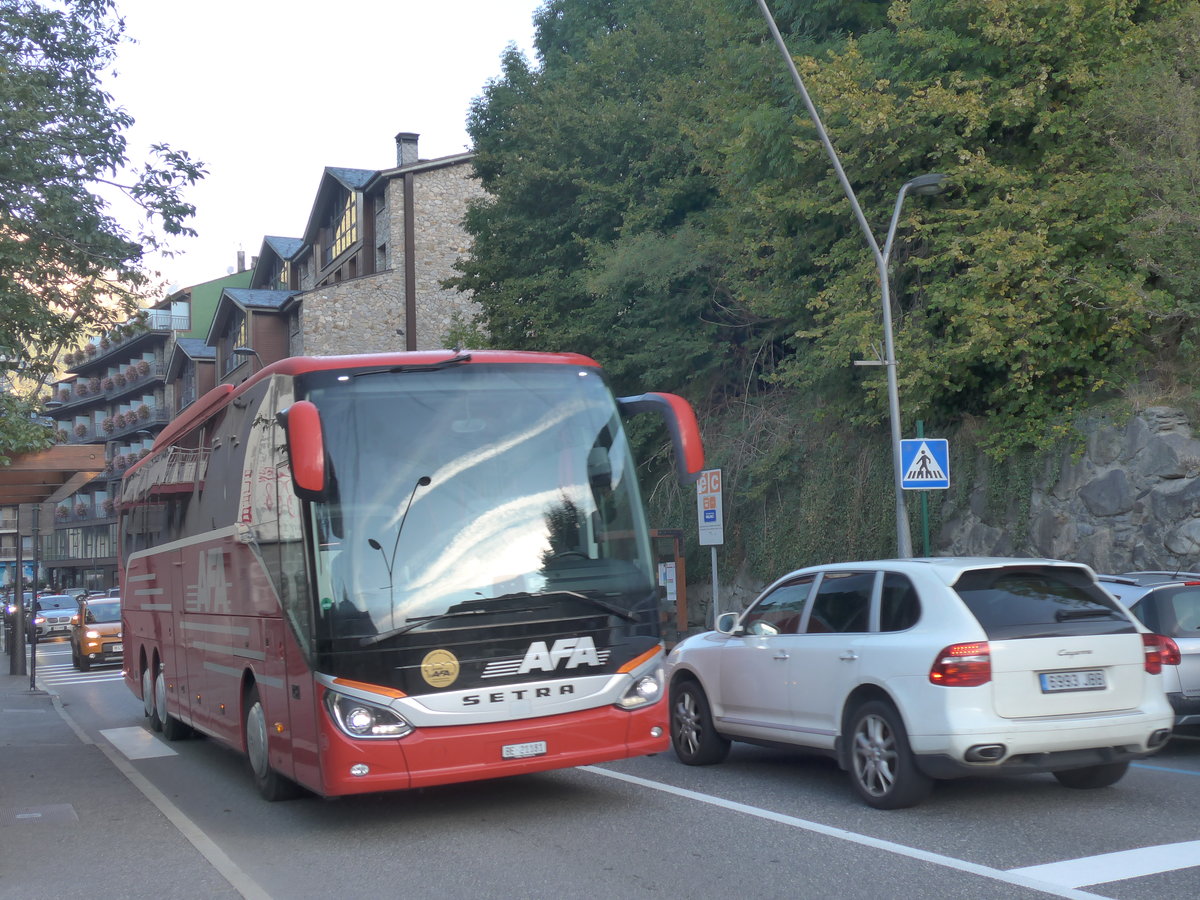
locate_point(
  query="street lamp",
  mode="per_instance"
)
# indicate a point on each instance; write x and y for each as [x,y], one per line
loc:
[922,184]
[248,351]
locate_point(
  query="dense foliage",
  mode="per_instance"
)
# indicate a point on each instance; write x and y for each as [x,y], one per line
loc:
[68,267]
[659,199]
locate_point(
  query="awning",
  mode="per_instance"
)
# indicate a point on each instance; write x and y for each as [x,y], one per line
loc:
[50,476]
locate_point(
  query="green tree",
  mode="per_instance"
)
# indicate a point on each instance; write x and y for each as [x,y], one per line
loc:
[67,265]
[1015,300]
[594,236]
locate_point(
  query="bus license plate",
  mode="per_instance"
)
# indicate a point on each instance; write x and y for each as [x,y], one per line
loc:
[521,751]
[1090,680]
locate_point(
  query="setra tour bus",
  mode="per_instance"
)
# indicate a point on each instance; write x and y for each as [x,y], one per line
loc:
[390,571]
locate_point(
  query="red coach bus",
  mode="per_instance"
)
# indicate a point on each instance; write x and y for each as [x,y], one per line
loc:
[380,572]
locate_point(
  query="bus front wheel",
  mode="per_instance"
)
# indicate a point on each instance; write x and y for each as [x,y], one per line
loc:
[270,783]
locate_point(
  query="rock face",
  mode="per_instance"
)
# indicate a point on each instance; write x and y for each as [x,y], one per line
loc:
[1130,501]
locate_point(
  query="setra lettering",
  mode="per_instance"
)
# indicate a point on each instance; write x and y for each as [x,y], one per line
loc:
[504,696]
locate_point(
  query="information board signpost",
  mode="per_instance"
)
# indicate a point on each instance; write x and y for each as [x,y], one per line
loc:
[710,522]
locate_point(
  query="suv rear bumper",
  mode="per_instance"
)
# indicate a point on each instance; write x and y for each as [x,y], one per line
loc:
[1187,709]
[942,766]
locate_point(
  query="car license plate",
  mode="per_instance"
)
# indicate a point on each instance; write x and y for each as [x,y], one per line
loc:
[521,751]
[115,648]
[1089,680]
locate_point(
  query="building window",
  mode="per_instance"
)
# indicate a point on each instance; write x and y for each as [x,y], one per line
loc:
[187,384]
[238,335]
[341,230]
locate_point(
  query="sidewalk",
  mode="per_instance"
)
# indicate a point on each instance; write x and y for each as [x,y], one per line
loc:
[72,824]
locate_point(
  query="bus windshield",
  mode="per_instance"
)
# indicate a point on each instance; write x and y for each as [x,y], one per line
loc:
[473,495]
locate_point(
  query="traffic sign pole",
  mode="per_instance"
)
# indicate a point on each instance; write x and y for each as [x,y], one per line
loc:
[711,526]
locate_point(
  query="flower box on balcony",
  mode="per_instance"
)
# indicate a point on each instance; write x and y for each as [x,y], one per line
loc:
[143,412]
[81,510]
[143,367]
[81,430]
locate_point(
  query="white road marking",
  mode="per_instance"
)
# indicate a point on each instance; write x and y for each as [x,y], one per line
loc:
[1013,877]
[1117,866]
[230,871]
[137,743]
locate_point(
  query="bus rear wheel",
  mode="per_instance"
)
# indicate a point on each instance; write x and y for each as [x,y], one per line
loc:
[148,699]
[270,783]
[172,728]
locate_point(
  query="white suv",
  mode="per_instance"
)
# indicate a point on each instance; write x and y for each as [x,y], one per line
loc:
[912,670]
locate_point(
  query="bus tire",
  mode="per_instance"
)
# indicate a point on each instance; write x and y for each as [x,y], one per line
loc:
[148,699]
[172,728]
[269,782]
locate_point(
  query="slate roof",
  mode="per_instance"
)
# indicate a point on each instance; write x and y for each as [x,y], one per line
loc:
[259,298]
[283,247]
[196,348]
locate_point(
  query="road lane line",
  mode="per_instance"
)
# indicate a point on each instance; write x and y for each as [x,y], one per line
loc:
[1012,876]
[1117,866]
[206,846]
[1165,769]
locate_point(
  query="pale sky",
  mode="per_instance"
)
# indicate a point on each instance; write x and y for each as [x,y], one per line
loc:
[267,93]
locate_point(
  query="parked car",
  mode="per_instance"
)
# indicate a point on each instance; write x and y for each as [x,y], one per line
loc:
[96,633]
[907,671]
[1169,603]
[52,615]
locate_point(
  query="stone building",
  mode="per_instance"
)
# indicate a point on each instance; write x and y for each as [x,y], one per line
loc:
[367,276]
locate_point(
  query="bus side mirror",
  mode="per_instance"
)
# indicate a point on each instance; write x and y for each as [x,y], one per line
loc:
[301,423]
[681,422]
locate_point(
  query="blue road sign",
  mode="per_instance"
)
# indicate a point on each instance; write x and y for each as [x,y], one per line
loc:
[925,464]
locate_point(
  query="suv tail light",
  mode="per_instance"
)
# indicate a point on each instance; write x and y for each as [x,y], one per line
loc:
[963,665]
[1160,651]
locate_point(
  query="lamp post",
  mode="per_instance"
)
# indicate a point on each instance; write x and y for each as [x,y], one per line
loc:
[922,184]
[248,351]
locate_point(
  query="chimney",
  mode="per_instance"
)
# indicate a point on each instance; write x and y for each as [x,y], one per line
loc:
[241,261]
[406,148]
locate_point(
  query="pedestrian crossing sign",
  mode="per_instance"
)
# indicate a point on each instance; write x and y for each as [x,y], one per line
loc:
[925,464]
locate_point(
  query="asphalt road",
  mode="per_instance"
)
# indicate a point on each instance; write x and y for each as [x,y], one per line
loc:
[763,824]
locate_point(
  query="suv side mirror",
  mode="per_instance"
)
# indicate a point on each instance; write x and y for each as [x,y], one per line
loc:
[727,623]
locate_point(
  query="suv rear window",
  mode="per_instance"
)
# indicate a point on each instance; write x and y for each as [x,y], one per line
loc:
[1175,610]
[1039,601]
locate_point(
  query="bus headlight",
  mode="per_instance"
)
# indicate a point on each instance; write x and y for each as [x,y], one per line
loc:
[364,720]
[645,689]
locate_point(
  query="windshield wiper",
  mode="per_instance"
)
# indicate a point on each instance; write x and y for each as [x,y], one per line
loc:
[1064,615]
[418,367]
[425,620]
[612,608]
